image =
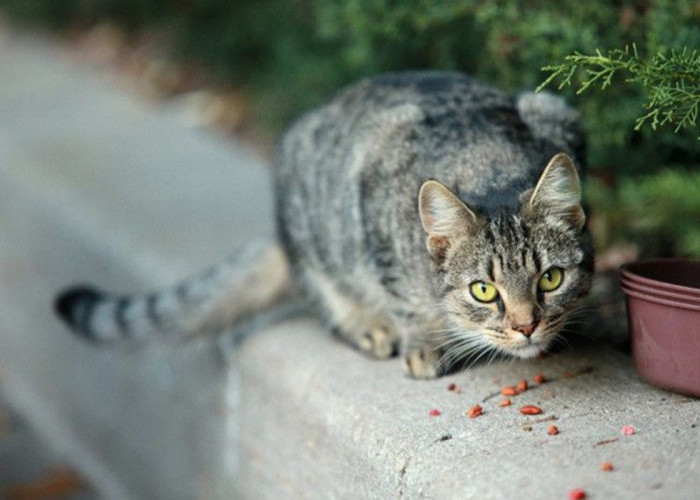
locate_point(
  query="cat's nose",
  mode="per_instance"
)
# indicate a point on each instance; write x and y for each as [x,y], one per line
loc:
[526,329]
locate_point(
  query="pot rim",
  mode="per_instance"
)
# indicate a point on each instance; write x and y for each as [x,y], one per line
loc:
[660,300]
[632,273]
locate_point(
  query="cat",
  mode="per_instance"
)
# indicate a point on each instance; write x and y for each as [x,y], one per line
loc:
[421,213]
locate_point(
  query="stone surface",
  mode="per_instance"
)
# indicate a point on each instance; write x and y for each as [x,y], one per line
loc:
[97,185]
[339,425]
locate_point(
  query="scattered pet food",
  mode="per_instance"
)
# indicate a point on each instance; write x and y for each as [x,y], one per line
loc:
[539,379]
[522,386]
[452,387]
[530,410]
[505,402]
[577,494]
[628,430]
[607,466]
[475,411]
[509,390]
[553,430]
[435,412]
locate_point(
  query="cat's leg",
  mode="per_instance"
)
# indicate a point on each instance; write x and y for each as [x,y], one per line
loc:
[424,349]
[354,322]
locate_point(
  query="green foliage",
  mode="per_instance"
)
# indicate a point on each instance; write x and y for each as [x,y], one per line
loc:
[289,55]
[670,81]
[659,212]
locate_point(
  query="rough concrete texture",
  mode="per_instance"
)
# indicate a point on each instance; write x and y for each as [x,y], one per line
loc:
[342,426]
[95,185]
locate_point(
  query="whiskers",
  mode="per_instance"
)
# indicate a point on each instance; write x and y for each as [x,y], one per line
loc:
[464,347]
[576,323]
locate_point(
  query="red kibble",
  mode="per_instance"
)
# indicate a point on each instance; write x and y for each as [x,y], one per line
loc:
[530,410]
[435,412]
[553,430]
[522,386]
[505,402]
[577,494]
[452,387]
[509,390]
[607,466]
[475,411]
[628,430]
[539,379]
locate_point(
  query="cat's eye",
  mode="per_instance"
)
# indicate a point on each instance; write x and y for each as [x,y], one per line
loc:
[483,291]
[551,279]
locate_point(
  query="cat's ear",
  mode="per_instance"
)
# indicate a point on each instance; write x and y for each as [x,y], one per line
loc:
[558,192]
[444,218]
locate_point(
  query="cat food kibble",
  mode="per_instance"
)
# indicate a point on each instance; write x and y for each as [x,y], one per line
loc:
[553,430]
[435,412]
[607,466]
[509,390]
[522,386]
[539,379]
[505,402]
[475,411]
[628,430]
[577,494]
[530,410]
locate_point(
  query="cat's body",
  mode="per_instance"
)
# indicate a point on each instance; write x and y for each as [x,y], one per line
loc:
[353,226]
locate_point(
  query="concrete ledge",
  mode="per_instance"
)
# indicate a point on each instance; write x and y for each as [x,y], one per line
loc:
[96,186]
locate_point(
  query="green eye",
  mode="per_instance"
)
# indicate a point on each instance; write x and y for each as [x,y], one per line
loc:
[483,292]
[551,279]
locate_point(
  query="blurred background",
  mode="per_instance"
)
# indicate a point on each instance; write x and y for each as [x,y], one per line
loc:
[251,66]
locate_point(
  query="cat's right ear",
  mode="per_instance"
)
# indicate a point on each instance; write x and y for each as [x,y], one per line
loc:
[444,217]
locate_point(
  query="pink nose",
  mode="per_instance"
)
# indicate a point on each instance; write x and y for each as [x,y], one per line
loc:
[526,329]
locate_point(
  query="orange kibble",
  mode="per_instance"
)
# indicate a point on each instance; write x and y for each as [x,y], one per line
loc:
[505,402]
[553,430]
[522,386]
[539,379]
[509,390]
[530,410]
[475,411]
[607,466]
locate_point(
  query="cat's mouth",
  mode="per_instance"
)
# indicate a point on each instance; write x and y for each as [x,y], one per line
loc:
[528,351]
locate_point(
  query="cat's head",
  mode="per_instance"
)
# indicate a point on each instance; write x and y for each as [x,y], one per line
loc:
[508,282]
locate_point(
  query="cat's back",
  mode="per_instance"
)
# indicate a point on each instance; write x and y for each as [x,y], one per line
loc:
[446,122]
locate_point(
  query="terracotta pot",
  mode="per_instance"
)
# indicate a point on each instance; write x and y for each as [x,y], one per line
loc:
[663,309]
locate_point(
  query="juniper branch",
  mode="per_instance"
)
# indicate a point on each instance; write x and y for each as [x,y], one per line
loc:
[670,81]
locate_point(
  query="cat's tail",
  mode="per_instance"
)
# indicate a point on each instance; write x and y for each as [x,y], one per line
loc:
[251,281]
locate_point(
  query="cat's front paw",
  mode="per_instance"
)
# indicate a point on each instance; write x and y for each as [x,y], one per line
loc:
[380,343]
[422,362]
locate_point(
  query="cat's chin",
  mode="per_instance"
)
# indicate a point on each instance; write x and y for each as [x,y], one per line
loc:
[527,352]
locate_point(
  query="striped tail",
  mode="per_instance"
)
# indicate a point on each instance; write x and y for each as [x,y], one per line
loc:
[245,284]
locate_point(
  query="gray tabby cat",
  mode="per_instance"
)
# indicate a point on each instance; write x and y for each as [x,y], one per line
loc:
[423,213]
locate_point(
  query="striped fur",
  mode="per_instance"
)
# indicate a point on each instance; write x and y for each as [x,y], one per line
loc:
[251,281]
[392,200]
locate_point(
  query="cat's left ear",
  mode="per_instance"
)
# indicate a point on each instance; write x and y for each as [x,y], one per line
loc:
[558,192]
[444,217]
